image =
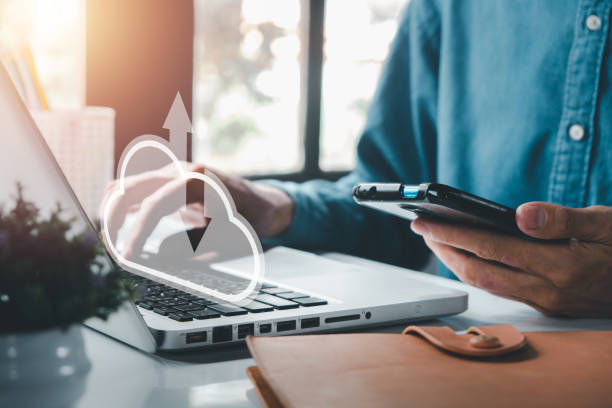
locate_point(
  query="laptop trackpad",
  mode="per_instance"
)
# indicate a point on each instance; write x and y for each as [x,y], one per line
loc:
[345,282]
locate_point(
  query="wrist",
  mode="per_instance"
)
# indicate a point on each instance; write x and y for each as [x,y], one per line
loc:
[274,210]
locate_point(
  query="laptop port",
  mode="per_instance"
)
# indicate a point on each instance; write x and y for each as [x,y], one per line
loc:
[310,323]
[342,318]
[285,326]
[245,329]
[195,337]
[222,333]
[265,328]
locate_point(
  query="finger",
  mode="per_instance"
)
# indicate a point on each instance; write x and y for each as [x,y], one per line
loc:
[498,279]
[549,221]
[137,188]
[166,200]
[535,258]
[193,216]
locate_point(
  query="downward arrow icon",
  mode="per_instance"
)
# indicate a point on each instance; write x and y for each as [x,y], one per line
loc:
[178,123]
[195,235]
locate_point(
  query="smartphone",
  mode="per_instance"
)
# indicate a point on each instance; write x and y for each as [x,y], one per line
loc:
[438,201]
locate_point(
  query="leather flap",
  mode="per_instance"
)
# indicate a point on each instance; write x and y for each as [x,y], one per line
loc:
[484,341]
[555,369]
[265,393]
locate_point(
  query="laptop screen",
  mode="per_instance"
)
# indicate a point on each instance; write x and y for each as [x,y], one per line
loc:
[28,162]
[54,270]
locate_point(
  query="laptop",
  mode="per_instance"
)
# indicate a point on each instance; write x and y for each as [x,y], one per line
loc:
[301,292]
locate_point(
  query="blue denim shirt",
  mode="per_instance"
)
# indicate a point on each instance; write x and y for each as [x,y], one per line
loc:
[507,99]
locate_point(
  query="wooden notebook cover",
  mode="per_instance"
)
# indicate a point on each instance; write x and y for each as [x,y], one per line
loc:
[555,369]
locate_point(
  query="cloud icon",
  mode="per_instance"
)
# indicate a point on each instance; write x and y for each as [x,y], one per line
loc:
[227,222]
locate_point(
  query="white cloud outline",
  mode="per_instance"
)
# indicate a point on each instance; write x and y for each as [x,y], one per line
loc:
[229,209]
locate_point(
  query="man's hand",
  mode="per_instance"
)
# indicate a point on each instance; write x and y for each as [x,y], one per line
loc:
[157,193]
[572,277]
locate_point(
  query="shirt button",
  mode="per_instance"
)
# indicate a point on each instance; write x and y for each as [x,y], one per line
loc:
[576,132]
[593,22]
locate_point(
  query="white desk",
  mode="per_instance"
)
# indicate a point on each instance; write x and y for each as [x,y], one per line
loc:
[123,377]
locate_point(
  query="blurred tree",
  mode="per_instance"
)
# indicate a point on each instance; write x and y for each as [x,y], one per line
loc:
[223,32]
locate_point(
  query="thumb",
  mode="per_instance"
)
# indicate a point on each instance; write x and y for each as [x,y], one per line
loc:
[551,221]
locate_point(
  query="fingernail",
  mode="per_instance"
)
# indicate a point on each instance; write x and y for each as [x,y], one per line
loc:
[419,227]
[531,217]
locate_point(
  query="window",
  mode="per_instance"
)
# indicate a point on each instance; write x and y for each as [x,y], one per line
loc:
[356,46]
[293,77]
[247,85]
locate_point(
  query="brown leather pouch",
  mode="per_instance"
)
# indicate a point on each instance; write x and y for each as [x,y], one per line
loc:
[434,367]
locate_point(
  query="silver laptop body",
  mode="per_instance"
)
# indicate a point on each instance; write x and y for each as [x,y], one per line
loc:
[330,295]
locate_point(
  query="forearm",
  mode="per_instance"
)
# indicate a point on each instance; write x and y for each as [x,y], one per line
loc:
[325,217]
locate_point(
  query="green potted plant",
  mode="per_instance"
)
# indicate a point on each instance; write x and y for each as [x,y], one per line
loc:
[51,279]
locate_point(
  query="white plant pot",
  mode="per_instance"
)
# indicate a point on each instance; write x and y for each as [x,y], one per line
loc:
[48,367]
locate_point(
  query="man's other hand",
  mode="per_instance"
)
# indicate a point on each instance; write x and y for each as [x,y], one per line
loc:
[570,276]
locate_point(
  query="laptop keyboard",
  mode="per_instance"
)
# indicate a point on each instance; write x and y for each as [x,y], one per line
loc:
[183,307]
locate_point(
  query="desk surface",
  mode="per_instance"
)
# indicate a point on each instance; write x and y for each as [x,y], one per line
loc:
[123,377]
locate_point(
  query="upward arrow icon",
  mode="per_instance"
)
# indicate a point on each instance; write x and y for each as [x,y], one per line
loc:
[178,123]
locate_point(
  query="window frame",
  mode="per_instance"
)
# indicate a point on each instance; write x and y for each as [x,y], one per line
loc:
[310,101]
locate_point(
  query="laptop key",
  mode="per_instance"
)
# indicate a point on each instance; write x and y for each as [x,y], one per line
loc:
[267,286]
[180,316]
[189,308]
[311,301]
[258,307]
[172,302]
[275,291]
[147,305]
[203,302]
[277,302]
[152,298]
[204,314]
[292,295]
[189,298]
[186,298]
[164,311]
[228,310]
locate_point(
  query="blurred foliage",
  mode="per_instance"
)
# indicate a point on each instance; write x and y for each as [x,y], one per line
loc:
[49,276]
[222,34]
[231,133]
